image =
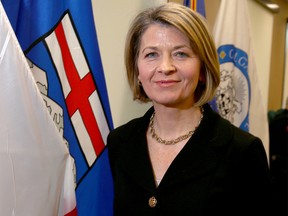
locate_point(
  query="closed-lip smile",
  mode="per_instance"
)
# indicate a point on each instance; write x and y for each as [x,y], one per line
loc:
[166,82]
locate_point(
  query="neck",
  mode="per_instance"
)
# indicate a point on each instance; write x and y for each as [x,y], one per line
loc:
[171,129]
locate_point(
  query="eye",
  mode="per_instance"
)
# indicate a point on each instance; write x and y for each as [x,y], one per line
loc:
[151,55]
[181,54]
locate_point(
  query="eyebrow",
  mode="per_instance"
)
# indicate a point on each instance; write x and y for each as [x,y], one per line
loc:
[174,48]
[149,47]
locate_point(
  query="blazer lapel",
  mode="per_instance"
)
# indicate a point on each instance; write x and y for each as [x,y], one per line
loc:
[195,159]
[201,153]
[136,157]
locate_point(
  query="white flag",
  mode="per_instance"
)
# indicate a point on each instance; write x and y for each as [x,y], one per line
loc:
[238,96]
[35,165]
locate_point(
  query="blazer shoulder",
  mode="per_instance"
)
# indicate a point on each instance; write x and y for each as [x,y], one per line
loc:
[132,127]
[243,144]
[223,132]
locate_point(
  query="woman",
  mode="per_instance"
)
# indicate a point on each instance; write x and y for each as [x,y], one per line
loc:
[181,158]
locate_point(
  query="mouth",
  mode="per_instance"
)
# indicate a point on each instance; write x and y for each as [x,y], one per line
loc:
[166,83]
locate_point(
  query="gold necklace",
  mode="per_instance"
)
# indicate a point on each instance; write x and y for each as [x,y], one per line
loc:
[173,141]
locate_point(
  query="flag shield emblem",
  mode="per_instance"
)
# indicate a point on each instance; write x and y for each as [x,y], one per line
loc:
[233,93]
[62,48]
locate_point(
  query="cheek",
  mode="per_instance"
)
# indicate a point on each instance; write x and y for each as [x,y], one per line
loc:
[191,72]
[143,72]
[196,73]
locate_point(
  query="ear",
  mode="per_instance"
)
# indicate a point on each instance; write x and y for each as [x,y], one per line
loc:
[139,77]
[139,81]
[201,78]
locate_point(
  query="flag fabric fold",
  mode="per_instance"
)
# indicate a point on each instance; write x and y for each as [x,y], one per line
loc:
[34,160]
[238,96]
[60,43]
[196,5]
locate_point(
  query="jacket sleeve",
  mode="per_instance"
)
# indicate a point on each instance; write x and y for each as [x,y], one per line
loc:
[251,177]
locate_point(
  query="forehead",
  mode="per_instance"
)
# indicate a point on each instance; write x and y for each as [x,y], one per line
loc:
[163,33]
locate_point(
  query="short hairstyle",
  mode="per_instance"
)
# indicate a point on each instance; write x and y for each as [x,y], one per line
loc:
[192,25]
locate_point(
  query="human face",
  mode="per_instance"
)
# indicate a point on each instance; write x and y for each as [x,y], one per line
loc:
[168,68]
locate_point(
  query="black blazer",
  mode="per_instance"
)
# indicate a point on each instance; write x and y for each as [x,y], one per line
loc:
[222,170]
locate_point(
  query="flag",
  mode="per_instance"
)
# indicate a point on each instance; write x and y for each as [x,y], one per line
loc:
[36,167]
[60,43]
[196,5]
[238,96]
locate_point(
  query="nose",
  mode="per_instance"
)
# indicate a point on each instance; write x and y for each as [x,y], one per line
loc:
[166,65]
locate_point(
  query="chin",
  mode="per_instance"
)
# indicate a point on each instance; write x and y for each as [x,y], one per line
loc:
[167,103]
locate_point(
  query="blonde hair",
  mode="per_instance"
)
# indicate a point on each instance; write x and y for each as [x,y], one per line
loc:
[191,24]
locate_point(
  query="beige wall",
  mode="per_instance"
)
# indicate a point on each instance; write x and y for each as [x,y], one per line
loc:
[112,21]
[285,89]
[261,22]
[276,88]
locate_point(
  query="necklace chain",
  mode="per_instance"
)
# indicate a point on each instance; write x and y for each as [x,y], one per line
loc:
[173,141]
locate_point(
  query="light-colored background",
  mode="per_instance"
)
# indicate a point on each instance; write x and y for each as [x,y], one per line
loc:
[112,20]
[285,82]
